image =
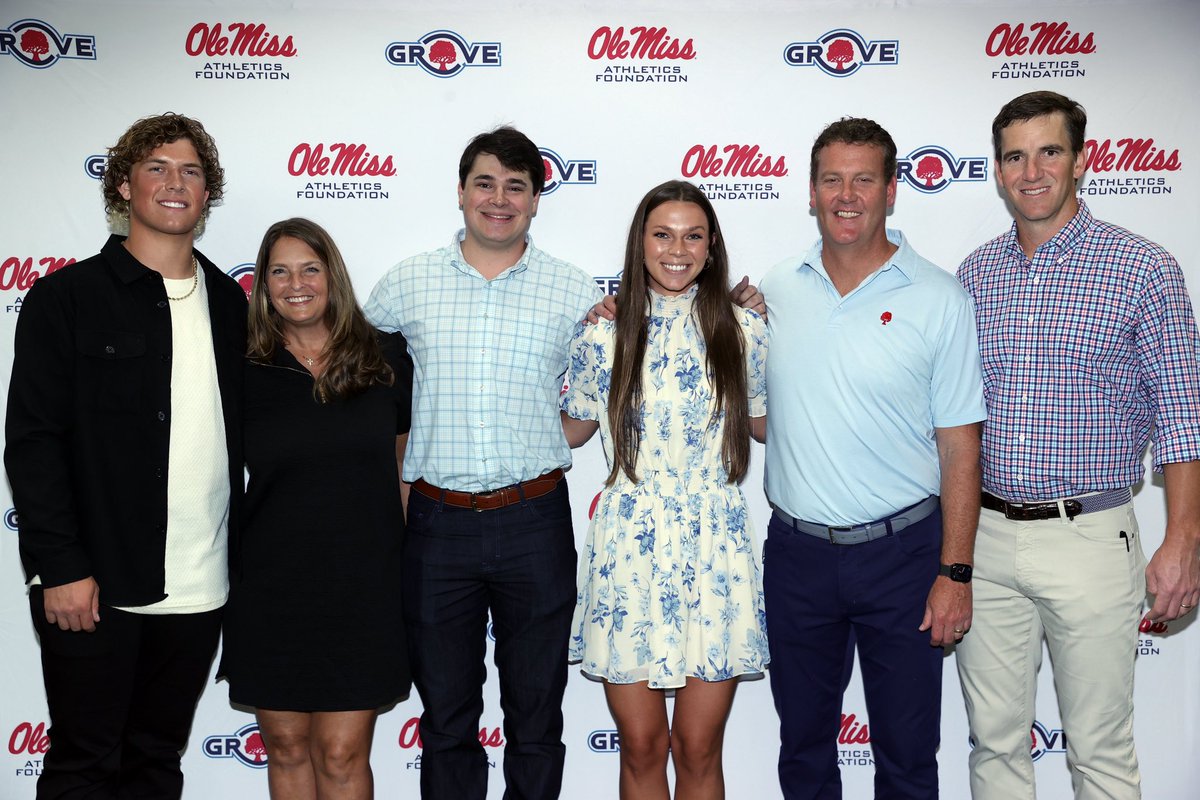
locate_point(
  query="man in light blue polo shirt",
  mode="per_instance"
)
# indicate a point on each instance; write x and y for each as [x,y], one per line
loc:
[872,467]
[488,319]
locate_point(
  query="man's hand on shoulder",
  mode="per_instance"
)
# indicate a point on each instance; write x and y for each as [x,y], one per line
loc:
[747,295]
[73,606]
[744,294]
[606,309]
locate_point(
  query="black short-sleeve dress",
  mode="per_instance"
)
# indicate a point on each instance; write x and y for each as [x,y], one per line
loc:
[314,619]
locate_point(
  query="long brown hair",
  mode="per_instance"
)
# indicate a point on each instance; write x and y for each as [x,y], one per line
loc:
[725,347]
[353,358]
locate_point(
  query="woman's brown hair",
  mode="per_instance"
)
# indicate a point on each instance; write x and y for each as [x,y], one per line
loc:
[725,347]
[353,358]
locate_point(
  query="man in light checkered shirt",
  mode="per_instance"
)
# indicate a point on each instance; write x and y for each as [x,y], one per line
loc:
[1088,342]
[488,319]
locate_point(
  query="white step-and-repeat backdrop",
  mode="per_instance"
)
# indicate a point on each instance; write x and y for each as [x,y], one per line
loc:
[355,113]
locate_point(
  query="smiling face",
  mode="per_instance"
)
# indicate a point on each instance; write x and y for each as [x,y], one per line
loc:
[297,284]
[1038,173]
[498,207]
[851,196]
[166,191]
[675,244]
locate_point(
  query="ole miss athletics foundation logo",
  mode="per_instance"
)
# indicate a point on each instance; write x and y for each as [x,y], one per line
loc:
[842,52]
[18,273]
[734,171]
[226,46]
[36,44]
[29,742]
[854,742]
[1142,166]
[410,739]
[443,53]
[325,166]
[931,168]
[1038,50]
[240,39]
[1040,39]
[640,54]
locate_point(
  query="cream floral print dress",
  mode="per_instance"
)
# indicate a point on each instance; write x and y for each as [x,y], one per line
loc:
[669,582]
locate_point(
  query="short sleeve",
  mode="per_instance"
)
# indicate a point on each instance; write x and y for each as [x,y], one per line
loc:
[395,352]
[755,331]
[585,393]
[957,384]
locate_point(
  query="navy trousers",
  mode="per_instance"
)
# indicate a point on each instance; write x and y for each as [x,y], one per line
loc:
[821,598]
[121,701]
[519,562]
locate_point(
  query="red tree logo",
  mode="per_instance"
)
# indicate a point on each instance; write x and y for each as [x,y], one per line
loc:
[255,747]
[548,170]
[442,53]
[929,169]
[840,52]
[36,44]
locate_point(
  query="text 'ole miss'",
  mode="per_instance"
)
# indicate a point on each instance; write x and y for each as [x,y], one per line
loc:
[740,160]
[1049,38]
[348,159]
[251,40]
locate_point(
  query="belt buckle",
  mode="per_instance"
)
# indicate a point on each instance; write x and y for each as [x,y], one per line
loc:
[843,529]
[1021,512]
[475,496]
[1073,507]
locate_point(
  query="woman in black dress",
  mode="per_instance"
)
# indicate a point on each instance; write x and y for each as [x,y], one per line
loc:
[314,639]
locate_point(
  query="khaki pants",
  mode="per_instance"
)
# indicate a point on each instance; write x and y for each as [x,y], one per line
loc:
[1082,585]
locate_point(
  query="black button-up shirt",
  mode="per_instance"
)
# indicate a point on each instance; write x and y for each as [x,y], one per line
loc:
[89,420]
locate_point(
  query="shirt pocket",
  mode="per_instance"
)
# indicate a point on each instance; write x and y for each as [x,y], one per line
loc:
[111,367]
[536,345]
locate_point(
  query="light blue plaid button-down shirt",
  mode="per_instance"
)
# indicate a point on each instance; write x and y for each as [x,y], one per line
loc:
[489,359]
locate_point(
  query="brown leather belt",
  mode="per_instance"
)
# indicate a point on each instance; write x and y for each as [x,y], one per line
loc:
[1026,512]
[497,498]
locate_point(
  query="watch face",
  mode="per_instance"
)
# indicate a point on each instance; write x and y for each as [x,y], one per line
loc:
[957,572]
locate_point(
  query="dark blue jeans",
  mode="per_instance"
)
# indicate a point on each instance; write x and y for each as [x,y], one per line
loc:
[518,561]
[821,597]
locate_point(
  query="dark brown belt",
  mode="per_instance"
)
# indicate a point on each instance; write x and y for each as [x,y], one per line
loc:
[1026,512]
[497,498]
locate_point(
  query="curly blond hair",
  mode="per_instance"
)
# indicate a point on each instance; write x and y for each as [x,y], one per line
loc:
[143,137]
